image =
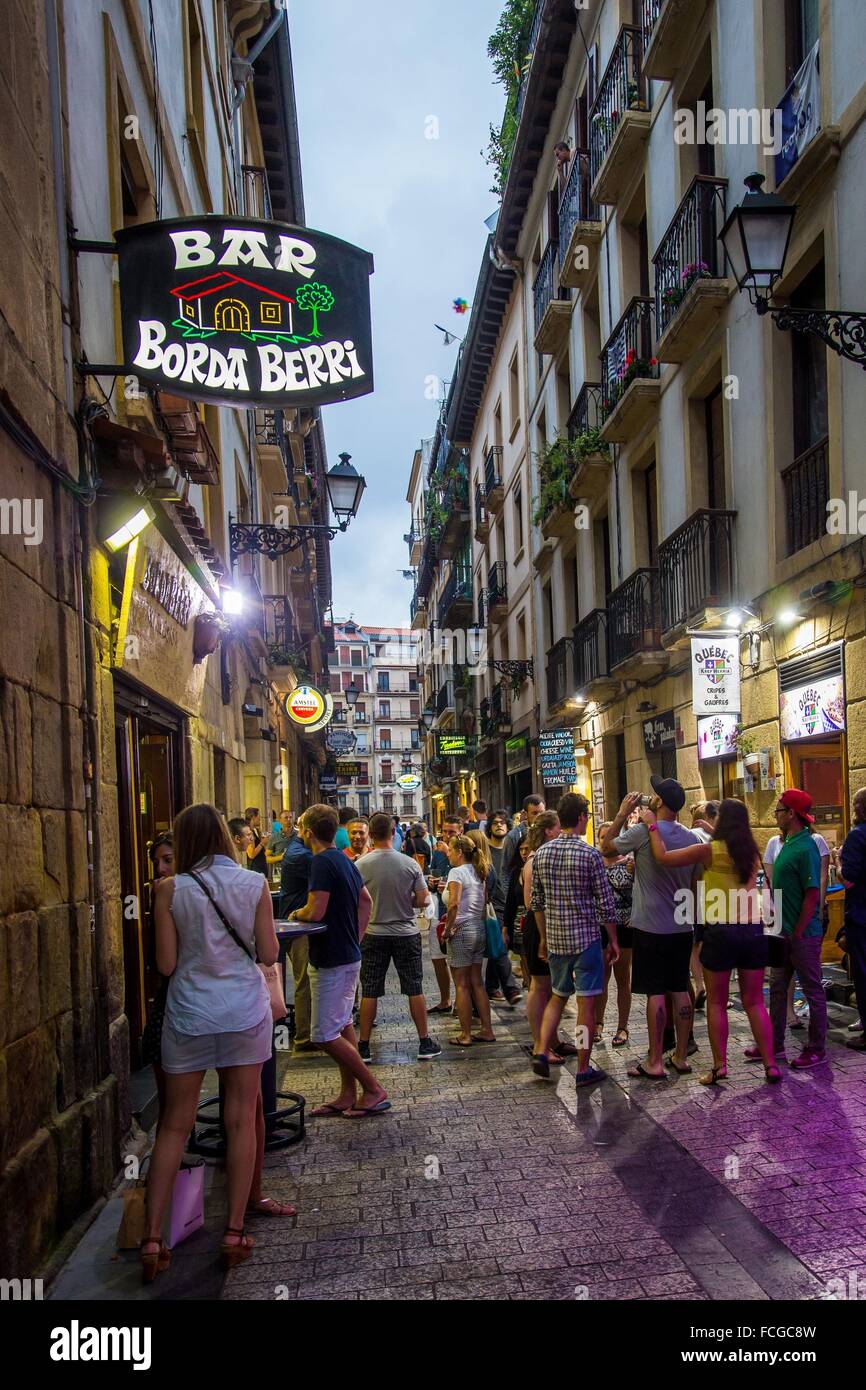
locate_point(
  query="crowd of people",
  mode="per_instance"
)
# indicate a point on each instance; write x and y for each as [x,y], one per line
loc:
[668,912]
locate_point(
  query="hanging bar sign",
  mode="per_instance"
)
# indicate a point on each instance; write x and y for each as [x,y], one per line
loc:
[245,312]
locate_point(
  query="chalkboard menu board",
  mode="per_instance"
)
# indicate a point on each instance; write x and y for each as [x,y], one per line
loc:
[556,757]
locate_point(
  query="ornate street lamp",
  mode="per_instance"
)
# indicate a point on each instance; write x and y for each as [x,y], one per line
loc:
[756,238]
[428,715]
[351,693]
[345,487]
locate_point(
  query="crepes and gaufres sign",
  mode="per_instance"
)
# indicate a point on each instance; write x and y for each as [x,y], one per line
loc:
[245,312]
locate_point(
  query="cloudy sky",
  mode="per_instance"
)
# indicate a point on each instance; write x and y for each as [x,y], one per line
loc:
[369,77]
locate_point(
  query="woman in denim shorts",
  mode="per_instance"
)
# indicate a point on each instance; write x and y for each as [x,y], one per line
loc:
[466,935]
[212,920]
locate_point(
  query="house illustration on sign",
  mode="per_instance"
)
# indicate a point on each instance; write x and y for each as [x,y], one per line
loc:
[225,303]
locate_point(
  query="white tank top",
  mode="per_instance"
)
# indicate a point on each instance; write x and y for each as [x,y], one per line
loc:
[216,987]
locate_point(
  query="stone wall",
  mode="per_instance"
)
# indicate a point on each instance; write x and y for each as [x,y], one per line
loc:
[61,982]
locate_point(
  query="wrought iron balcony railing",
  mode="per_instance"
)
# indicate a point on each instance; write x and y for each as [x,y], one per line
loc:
[576,205]
[527,63]
[690,249]
[493,469]
[494,713]
[557,672]
[587,414]
[590,649]
[634,618]
[622,88]
[494,595]
[628,352]
[650,11]
[807,487]
[445,697]
[458,589]
[279,622]
[481,516]
[696,566]
[545,286]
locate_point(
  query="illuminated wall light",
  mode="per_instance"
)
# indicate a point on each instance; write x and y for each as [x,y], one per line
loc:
[233,602]
[788,617]
[129,530]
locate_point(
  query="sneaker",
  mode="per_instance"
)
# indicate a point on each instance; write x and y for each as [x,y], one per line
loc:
[808,1058]
[364,1050]
[514,996]
[496,994]
[856,1026]
[305,1047]
[428,1048]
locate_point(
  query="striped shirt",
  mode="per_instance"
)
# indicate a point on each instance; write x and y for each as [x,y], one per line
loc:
[570,886]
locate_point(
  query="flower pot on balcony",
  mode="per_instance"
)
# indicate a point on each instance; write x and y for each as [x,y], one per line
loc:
[559,522]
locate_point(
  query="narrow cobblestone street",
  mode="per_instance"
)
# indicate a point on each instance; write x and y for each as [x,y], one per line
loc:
[484,1182]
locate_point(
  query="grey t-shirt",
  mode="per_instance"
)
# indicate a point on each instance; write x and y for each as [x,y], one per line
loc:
[654,905]
[392,879]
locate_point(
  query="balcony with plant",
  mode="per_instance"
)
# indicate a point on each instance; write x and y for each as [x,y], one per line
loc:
[553,509]
[691,288]
[591,452]
[630,374]
[620,120]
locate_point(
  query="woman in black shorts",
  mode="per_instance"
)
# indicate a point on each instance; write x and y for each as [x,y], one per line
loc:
[620,875]
[733,932]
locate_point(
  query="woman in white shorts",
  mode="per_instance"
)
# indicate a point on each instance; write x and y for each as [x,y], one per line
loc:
[466,937]
[213,919]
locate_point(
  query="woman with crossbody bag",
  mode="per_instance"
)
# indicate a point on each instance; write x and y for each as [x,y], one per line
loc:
[212,920]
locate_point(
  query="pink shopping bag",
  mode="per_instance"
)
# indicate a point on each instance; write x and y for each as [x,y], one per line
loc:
[186,1212]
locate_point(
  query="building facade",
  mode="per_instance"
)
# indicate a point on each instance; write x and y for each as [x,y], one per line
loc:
[131,686]
[382,666]
[683,449]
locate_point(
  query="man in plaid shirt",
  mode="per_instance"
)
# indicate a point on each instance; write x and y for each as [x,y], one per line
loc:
[570,898]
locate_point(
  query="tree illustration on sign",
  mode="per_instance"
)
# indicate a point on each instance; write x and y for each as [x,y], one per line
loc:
[316,298]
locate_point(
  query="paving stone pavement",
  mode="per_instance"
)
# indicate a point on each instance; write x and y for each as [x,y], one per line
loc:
[484,1182]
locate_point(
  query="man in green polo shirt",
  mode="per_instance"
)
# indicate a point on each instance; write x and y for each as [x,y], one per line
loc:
[797,878]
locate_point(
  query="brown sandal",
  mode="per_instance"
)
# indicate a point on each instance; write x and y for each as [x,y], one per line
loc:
[153,1262]
[235,1254]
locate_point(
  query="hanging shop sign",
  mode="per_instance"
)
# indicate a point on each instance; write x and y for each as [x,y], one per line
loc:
[598,798]
[809,711]
[660,732]
[327,781]
[341,741]
[455,745]
[517,754]
[409,782]
[309,707]
[161,605]
[717,736]
[556,757]
[716,675]
[350,769]
[245,312]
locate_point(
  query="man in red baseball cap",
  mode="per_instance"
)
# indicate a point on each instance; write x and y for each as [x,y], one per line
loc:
[797,879]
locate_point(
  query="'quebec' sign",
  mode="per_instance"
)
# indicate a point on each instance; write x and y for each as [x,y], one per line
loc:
[245,312]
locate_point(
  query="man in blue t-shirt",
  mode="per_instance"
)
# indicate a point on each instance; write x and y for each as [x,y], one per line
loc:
[294,890]
[338,899]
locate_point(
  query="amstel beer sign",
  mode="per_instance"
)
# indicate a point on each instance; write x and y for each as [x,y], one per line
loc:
[245,312]
[309,707]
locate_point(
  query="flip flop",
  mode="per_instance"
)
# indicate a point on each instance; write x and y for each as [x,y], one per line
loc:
[440,1009]
[476,1038]
[455,1042]
[680,1071]
[713,1077]
[368,1110]
[328,1112]
[640,1073]
[269,1206]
